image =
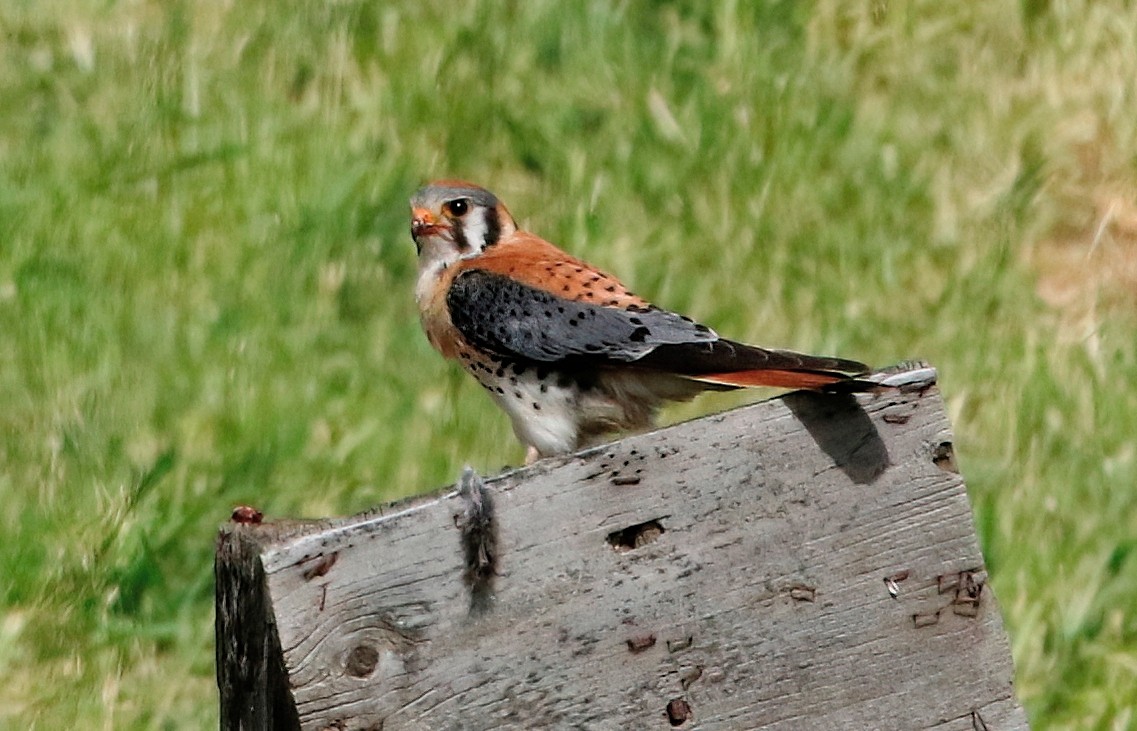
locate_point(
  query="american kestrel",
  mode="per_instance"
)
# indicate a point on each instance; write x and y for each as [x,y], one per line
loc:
[565,349]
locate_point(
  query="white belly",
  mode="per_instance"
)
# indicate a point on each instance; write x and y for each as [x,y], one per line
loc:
[545,410]
[545,418]
[558,415]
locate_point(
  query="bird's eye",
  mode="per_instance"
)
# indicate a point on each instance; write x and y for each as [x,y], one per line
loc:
[458,208]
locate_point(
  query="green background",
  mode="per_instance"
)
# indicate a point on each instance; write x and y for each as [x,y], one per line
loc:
[206,279]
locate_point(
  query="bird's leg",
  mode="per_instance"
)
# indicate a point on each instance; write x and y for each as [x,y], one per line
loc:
[531,455]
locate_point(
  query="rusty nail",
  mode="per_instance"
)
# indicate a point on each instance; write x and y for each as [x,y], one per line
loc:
[246,515]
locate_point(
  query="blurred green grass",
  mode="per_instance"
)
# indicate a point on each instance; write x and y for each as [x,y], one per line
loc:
[205,279]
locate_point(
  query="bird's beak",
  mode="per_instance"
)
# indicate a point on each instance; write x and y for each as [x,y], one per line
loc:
[423,223]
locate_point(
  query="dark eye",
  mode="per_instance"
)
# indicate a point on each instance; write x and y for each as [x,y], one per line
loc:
[459,207]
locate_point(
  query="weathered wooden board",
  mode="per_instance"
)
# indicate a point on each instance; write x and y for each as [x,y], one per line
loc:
[803,563]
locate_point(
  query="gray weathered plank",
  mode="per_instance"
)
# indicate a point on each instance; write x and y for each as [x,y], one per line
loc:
[765,602]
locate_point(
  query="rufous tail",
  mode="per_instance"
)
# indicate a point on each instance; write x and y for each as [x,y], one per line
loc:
[724,364]
[774,378]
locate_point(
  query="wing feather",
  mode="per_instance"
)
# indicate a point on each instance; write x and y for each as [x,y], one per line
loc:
[501,315]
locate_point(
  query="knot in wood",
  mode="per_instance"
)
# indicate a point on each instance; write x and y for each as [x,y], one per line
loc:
[362,661]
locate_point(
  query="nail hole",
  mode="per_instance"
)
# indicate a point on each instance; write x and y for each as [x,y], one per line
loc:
[944,457]
[636,536]
[321,567]
[688,675]
[639,643]
[968,594]
[803,593]
[678,711]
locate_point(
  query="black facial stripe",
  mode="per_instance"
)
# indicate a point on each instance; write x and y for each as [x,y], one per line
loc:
[460,235]
[493,227]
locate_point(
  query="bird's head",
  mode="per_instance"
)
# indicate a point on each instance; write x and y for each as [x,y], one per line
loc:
[452,220]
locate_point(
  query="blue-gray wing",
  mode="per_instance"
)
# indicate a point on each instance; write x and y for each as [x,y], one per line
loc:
[505,317]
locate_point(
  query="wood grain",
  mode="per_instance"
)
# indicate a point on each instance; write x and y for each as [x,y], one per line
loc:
[808,562]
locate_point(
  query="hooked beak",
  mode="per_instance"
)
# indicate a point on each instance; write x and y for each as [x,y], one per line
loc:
[423,223]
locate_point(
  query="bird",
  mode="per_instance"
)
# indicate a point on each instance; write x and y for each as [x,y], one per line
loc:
[565,349]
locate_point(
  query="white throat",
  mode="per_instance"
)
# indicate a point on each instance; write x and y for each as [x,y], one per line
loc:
[428,273]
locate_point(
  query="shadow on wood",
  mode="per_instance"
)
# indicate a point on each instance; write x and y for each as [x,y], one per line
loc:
[803,563]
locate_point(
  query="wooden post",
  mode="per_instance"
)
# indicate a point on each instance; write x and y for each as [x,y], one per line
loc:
[808,562]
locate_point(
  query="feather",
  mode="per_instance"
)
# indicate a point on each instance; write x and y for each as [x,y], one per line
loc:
[500,315]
